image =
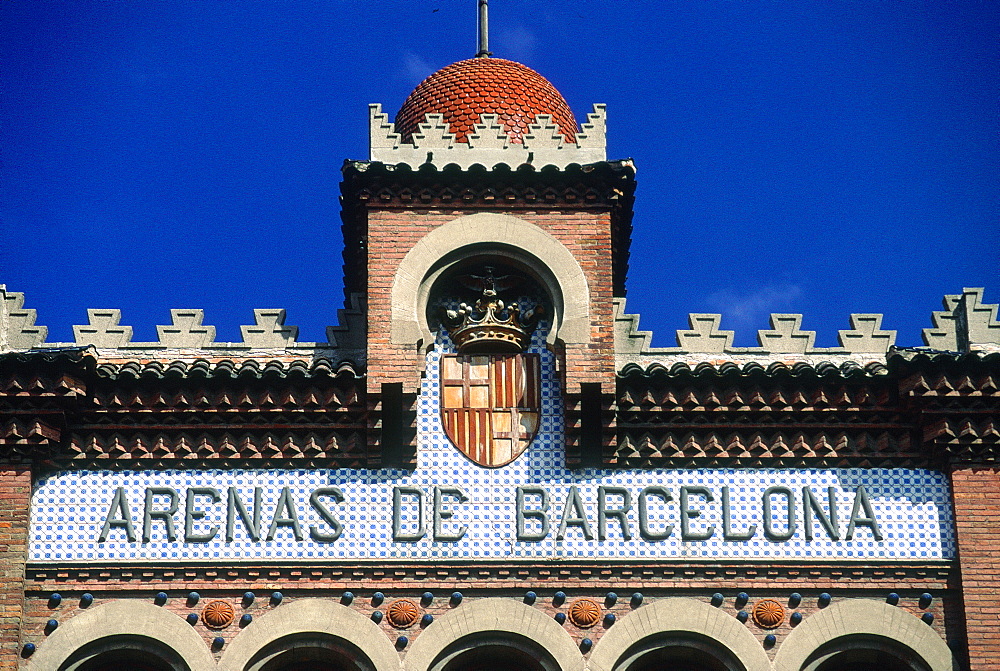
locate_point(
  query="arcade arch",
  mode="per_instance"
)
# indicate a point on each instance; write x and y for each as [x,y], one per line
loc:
[685,633]
[123,632]
[861,633]
[313,634]
[490,631]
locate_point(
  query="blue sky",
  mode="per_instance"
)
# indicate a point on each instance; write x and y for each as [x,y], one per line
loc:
[822,157]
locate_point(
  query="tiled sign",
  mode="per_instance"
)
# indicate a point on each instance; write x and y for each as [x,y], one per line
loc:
[533,508]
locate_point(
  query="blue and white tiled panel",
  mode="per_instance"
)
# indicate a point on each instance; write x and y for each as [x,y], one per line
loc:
[911,506]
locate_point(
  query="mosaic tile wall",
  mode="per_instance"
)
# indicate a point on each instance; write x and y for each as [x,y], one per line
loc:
[911,507]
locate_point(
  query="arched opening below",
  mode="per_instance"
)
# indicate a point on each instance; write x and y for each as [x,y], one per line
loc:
[494,653]
[868,653]
[136,653]
[678,653]
[310,652]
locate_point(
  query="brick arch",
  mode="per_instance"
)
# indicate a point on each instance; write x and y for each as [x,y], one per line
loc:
[474,234]
[856,620]
[123,621]
[495,618]
[310,616]
[678,619]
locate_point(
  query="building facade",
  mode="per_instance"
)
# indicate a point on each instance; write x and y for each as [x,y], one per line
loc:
[487,465]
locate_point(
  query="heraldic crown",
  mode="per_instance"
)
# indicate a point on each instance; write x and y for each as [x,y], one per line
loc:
[490,325]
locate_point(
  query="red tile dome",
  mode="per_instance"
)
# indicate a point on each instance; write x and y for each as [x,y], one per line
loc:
[464,90]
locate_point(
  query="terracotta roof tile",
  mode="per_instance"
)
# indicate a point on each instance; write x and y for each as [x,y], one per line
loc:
[464,90]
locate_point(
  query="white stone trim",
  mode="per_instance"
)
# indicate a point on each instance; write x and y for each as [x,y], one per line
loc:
[488,144]
[482,233]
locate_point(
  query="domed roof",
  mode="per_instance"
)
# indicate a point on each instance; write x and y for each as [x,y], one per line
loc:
[464,90]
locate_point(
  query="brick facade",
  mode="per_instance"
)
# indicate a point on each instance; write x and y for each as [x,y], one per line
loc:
[976,490]
[15,492]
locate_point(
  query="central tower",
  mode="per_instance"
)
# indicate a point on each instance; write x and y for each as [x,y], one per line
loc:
[485,167]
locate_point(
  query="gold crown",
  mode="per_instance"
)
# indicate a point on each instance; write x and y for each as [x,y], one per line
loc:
[490,326]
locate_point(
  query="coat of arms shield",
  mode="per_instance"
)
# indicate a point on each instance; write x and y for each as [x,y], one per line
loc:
[490,404]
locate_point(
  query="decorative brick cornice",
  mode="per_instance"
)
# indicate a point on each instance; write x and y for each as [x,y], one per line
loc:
[606,183]
[752,447]
[486,575]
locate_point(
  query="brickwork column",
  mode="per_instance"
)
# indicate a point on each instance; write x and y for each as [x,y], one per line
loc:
[15,492]
[976,490]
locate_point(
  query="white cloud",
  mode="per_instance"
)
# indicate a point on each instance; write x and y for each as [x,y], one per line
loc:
[742,311]
[417,69]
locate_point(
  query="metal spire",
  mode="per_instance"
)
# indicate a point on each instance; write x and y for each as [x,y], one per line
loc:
[484,31]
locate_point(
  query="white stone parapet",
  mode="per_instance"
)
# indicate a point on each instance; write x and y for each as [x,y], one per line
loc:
[488,144]
[966,324]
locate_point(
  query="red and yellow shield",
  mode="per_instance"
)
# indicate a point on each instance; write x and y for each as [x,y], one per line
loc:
[490,404]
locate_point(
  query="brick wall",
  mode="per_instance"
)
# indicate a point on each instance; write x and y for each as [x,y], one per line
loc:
[977,522]
[15,491]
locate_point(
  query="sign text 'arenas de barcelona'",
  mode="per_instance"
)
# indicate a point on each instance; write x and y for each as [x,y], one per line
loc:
[835,513]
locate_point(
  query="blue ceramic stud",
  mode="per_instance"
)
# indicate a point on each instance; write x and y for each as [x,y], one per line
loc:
[192,618]
[529,597]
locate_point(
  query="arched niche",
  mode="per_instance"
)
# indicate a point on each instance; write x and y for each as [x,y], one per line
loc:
[506,626]
[507,239]
[864,631]
[310,631]
[678,631]
[119,629]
